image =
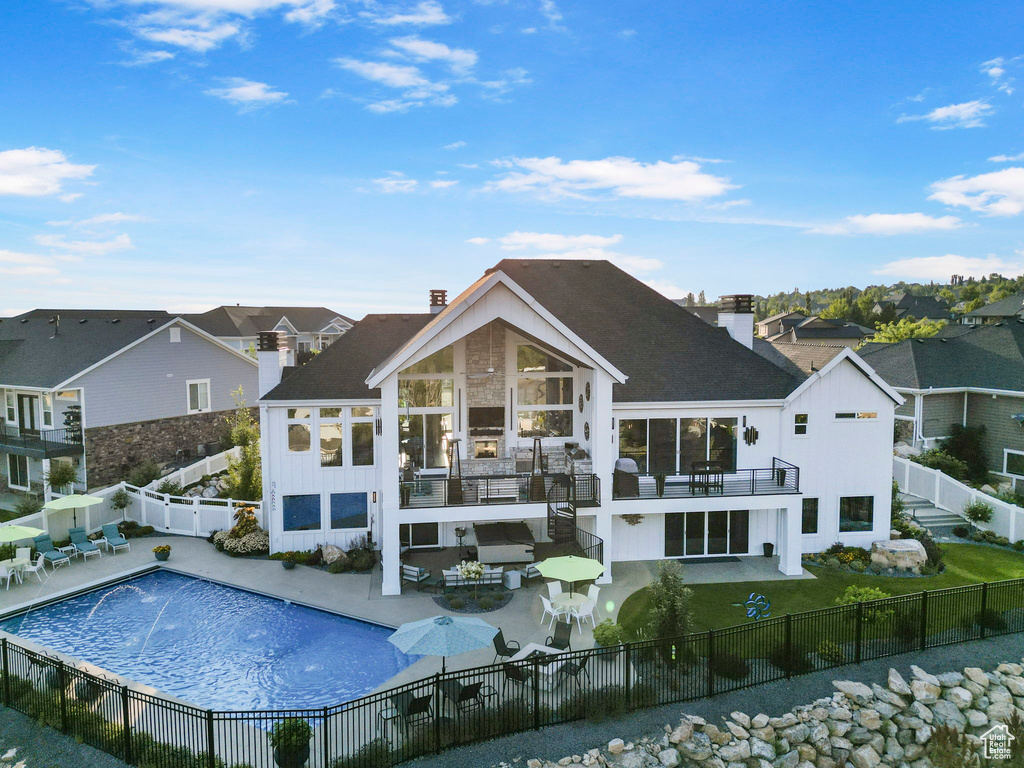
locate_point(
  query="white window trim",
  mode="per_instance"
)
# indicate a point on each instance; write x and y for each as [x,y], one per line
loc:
[574,373]
[817,515]
[11,407]
[858,416]
[310,421]
[188,399]
[346,459]
[175,335]
[806,433]
[1006,452]
[45,398]
[28,473]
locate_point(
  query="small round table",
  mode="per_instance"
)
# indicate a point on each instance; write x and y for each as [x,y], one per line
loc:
[569,602]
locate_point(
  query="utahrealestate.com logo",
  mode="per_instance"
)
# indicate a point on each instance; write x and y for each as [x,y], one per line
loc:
[996,742]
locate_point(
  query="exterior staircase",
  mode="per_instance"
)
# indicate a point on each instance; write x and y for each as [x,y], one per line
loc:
[564,497]
[939,522]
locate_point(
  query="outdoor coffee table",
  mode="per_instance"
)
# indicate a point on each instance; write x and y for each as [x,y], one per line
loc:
[548,670]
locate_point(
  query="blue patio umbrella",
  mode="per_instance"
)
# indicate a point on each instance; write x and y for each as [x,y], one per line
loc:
[443,636]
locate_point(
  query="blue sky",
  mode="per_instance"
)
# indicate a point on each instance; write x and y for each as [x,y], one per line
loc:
[181,154]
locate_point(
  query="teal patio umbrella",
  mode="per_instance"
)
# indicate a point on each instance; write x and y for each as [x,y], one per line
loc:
[74,502]
[443,636]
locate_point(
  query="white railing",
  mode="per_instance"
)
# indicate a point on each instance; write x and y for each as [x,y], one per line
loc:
[193,473]
[952,495]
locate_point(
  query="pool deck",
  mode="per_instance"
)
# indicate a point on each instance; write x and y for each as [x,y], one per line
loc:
[358,595]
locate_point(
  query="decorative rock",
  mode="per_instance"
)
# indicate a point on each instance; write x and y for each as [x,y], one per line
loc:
[767,733]
[859,692]
[796,733]
[1014,685]
[735,752]
[741,719]
[947,713]
[669,757]
[920,674]
[978,677]
[950,679]
[761,749]
[716,735]
[975,718]
[759,721]
[615,746]
[902,554]
[870,719]
[697,747]
[865,757]
[737,731]
[1000,711]
[788,760]
[925,692]
[331,553]
[683,732]
[959,696]
[1011,669]
[788,719]
[921,711]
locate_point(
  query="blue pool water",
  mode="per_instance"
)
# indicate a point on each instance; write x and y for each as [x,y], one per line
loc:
[216,646]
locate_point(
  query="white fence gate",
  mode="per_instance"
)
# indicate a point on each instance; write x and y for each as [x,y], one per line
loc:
[952,495]
[184,515]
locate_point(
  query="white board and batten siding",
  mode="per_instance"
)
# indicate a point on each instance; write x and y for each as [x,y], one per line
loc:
[839,458]
[299,473]
[646,541]
[148,381]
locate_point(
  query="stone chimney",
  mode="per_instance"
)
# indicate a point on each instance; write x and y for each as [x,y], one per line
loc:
[438,300]
[272,356]
[736,315]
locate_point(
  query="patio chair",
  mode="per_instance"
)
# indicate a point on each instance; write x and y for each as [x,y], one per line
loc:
[562,639]
[415,574]
[56,558]
[530,572]
[466,698]
[517,677]
[8,572]
[81,542]
[552,611]
[575,669]
[414,710]
[112,538]
[554,589]
[23,553]
[39,569]
[504,649]
[584,612]
[593,593]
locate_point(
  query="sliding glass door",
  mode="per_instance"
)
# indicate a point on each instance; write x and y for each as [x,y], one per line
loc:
[692,534]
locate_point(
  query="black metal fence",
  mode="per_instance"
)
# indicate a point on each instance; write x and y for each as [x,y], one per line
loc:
[444,711]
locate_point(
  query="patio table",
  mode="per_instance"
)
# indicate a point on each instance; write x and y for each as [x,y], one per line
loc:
[547,669]
[16,564]
[569,602]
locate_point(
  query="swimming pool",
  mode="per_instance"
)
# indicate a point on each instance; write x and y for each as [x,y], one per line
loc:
[217,646]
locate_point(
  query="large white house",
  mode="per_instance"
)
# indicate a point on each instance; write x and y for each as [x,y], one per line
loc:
[415,428]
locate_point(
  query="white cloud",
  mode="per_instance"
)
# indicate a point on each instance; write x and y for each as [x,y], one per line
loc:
[970,114]
[479,240]
[26,264]
[551,177]
[443,184]
[103,218]
[996,71]
[1000,193]
[888,224]
[199,38]
[418,89]
[396,182]
[941,267]
[460,60]
[1006,158]
[247,94]
[37,171]
[142,58]
[517,241]
[427,13]
[85,247]
[455,145]
[666,289]
[550,11]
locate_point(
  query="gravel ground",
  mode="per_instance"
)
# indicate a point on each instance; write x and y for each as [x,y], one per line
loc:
[43,747]
[774,698]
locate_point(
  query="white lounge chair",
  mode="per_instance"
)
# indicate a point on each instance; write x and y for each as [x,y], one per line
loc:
[552,611]
[112,538]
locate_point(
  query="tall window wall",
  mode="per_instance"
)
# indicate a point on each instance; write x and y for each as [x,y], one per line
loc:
[544,394]
[673,446]
[426,411]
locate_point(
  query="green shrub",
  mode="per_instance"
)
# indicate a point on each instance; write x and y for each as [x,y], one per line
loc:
[61,475]
[948,748]
[120,499]
[858,566]
[961,531]
[608,633]
[831,652]
[456,603]
[908,627]
[595,705]
[670,602]
[942,461]
[338,566]
[361,560]
[28,505]
[978,536]
[170,487]
[730,665]
[966,445]
[290,734]
[485,603]
[1001,541]
[143,474]
[854,594]
[373,754]
[793,660]
[831,562]
[979,512]
[1019,545]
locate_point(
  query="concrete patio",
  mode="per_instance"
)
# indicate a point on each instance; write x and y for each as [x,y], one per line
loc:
[358,595]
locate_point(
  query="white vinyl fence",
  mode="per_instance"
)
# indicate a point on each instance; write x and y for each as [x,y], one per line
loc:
[946,493]
[193,473]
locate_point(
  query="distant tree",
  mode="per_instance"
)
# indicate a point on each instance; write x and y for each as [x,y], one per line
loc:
[691,300]
[839,309]
[886,316]
[948,296]
[890,333]
[974,304]
[702,299]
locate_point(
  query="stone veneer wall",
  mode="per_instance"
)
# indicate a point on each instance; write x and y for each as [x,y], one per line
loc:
[111,451]
[485,348]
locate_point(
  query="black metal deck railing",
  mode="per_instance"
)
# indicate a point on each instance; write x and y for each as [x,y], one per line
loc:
[782,477]
[491,489]
[437,713]
[40,443]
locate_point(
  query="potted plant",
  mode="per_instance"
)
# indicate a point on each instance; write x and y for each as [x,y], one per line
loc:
[659,483]
[162,551]
[290,740]
[288,561]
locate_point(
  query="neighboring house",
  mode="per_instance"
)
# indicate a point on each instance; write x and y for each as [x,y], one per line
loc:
[1005,309]
[415,428]
[780,323]
[708,314]
[824,331]
[917,307]
[973,376]
[107,389]
[304,328]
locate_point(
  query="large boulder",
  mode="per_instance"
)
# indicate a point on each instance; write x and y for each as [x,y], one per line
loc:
[902,554]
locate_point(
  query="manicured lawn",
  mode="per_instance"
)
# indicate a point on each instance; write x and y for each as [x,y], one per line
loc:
[712,603]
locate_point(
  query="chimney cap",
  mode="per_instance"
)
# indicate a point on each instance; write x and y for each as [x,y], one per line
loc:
[738,304]
[438,300]
[268,341]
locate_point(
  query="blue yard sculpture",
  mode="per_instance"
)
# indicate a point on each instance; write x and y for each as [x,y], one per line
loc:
[757,607]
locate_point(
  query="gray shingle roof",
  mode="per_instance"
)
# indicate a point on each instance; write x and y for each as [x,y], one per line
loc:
[1009,307]
[31,356]
[340,371]
[232,321]
[989,356]
[798,360]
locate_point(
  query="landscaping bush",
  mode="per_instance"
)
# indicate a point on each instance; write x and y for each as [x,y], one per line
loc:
[872,614]
[361,560]
[961,531]
[28,505]
[245,474]
[831,562]
[793,660]
[255,543]
[670,602]
[120,500]
[316,558]
[979,512]
[942,461]
[948,748]
[143,474]
[485,603]
[858,566]
[730,665]
[990,619]
[831,652]
[170,487]
[373,754]
[338,566]
[1019,545]
[61,475]
[907,628]
[456,603]
[608,633]
[598,705]
[245,522]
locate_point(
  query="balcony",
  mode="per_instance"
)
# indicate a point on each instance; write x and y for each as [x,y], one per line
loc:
[495,489]
[40,444]
[711,480]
